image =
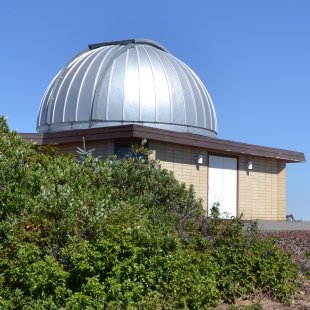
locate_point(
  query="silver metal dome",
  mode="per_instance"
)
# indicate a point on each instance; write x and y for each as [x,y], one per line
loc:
[127,82]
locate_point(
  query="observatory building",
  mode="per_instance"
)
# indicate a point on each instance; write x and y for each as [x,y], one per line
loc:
[114,94]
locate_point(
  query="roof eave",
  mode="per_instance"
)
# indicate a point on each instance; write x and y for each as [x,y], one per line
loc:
[133,131]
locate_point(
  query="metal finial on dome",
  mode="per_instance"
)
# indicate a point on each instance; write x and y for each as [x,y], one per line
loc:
[133,81]
[125,42]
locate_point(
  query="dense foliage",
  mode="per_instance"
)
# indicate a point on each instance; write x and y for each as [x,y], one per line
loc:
[120,234]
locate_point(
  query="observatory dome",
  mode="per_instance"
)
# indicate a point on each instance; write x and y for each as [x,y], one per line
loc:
[127,82]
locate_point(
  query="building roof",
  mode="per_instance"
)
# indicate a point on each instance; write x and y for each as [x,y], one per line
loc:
[127,82]
[140,132]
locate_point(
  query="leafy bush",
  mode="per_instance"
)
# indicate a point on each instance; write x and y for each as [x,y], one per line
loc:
[247,262]
[119,234]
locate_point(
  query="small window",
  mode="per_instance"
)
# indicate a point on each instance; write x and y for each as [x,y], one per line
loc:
[125,150]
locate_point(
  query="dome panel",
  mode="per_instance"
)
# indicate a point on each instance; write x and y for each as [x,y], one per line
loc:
[132,87]
[175,92]
[127,82]
[114,110]
[187,93]
[161,87]
[147,89]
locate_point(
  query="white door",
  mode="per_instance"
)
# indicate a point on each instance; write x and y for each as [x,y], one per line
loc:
[223,184]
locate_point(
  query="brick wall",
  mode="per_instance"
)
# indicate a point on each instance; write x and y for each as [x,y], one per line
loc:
[262,191]
[181,160]
[281,190]
[101,148]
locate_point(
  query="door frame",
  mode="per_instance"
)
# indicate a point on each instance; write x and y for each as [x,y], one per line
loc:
[237,185]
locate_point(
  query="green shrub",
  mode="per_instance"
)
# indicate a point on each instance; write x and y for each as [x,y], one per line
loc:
[120,234]
[248,263]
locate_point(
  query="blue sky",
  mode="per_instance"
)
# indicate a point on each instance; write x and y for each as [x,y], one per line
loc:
[253,56]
